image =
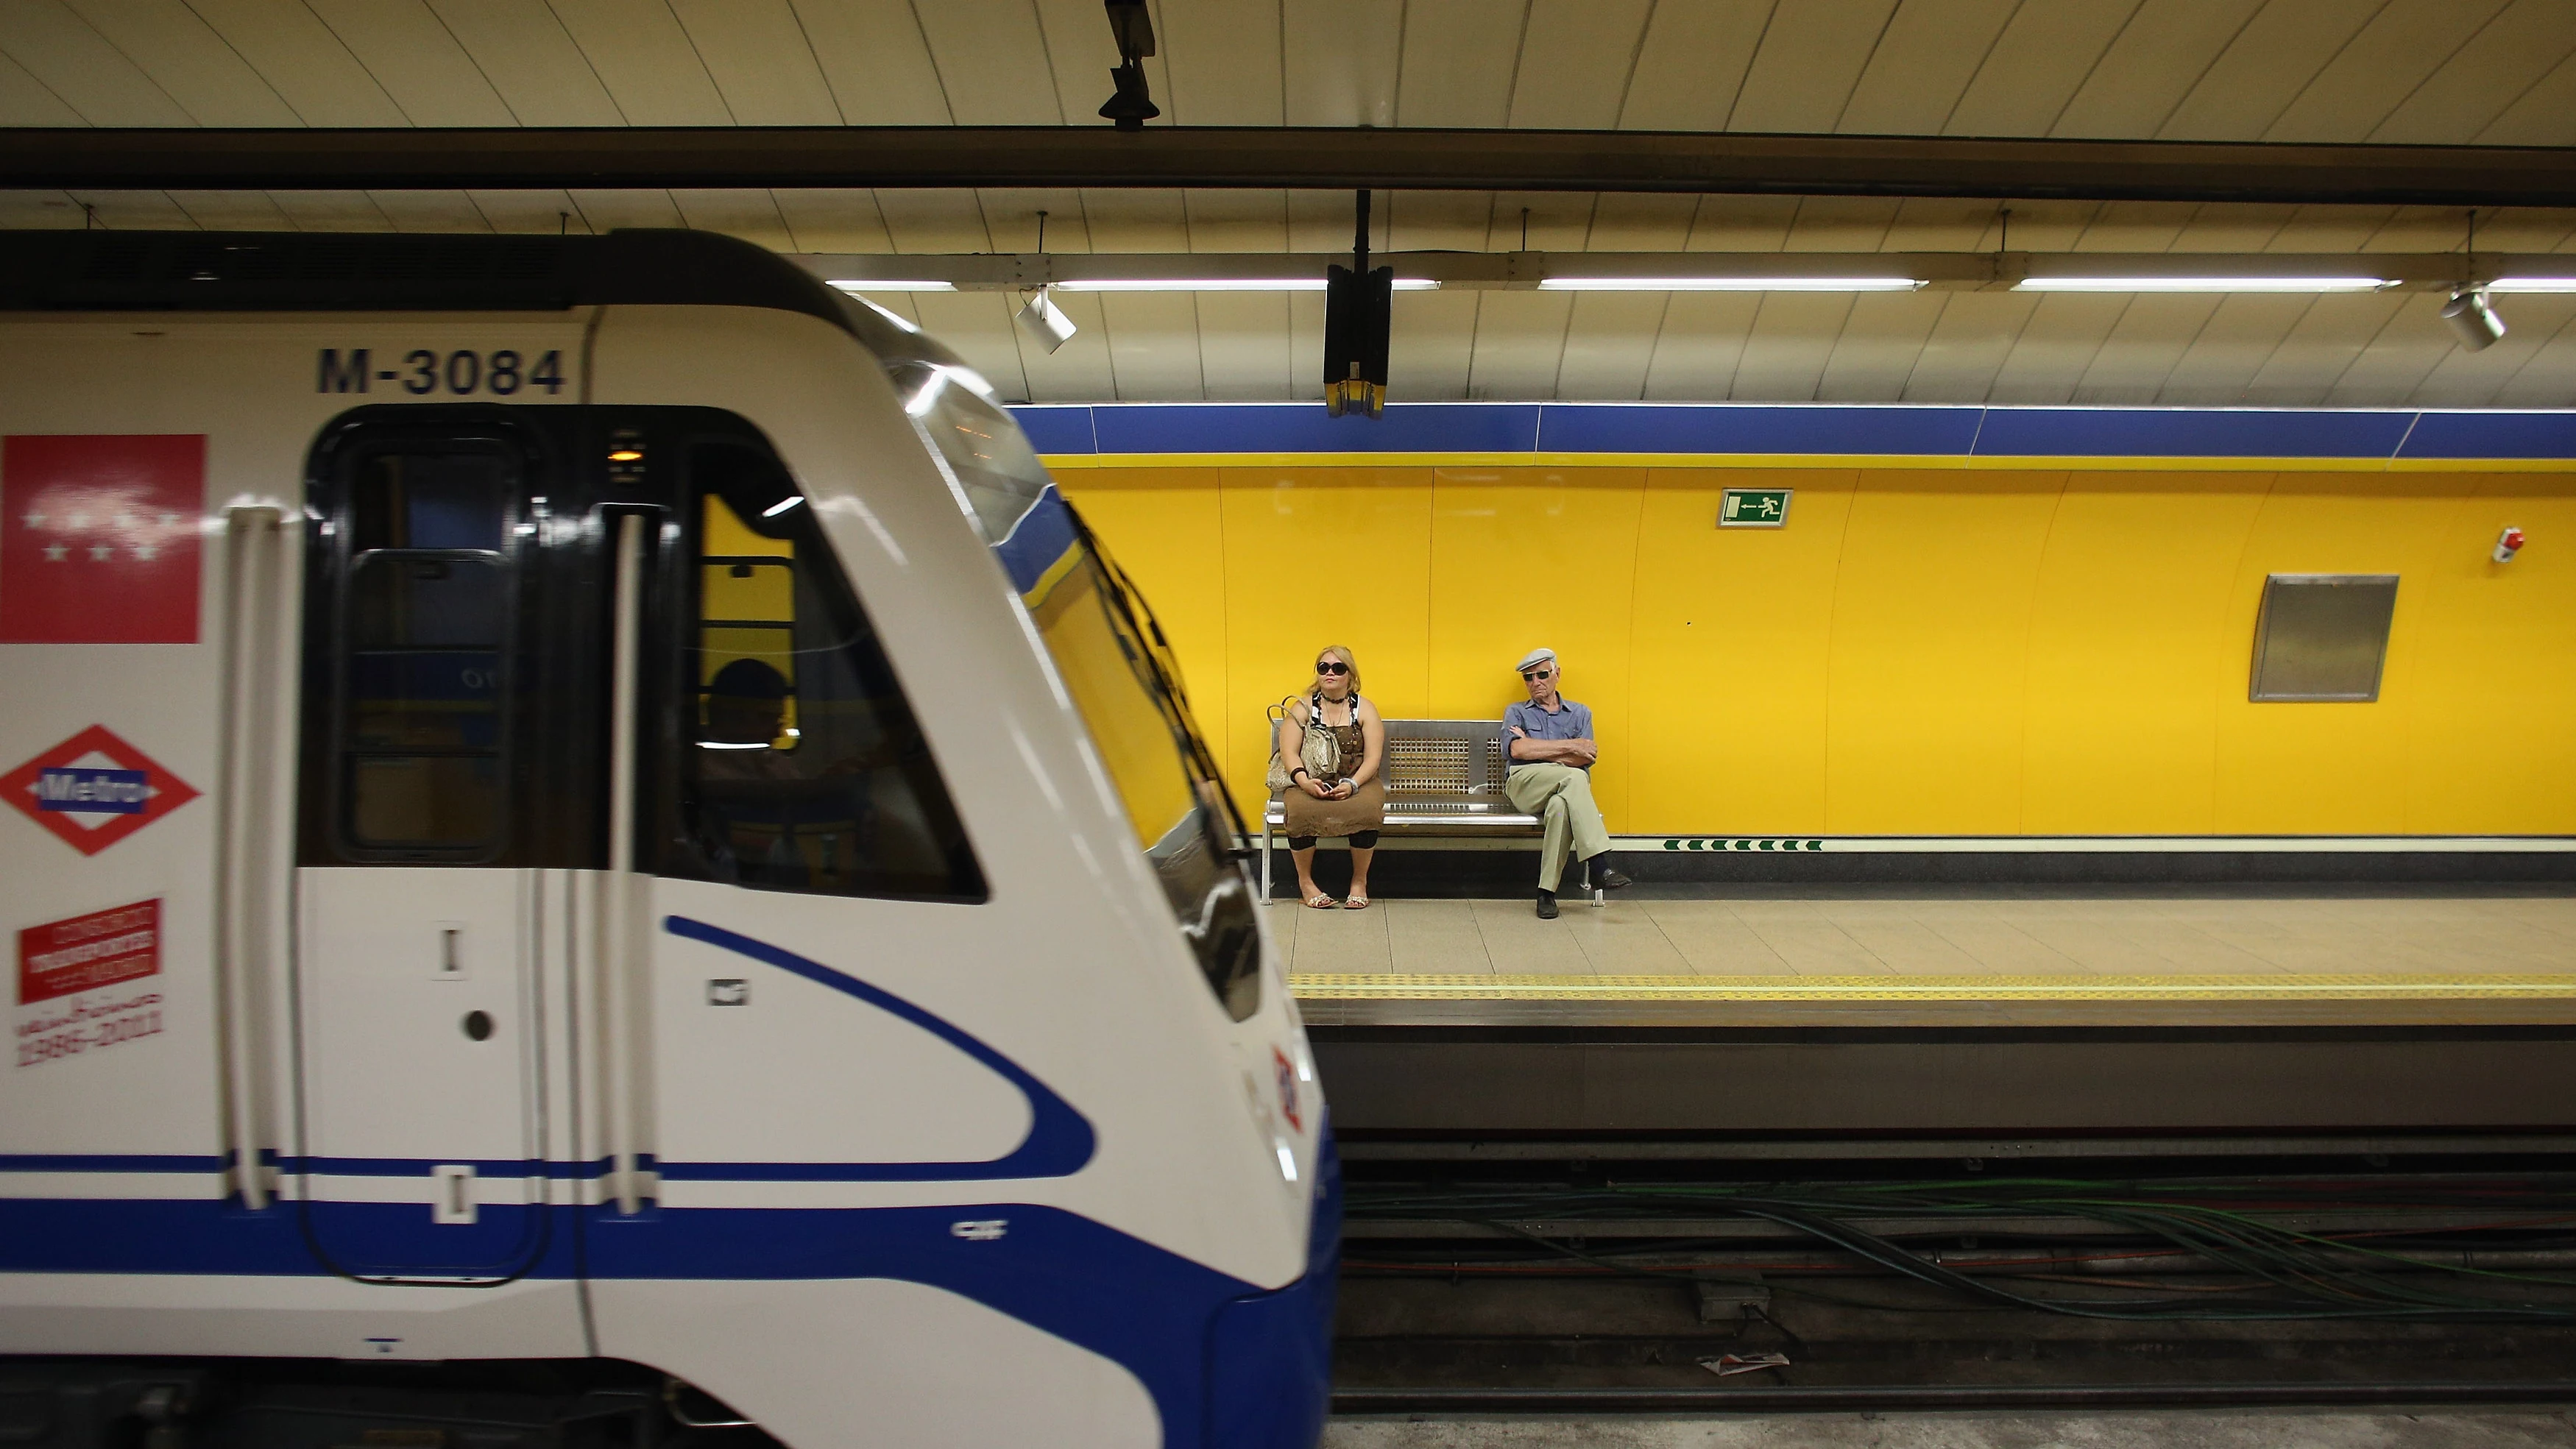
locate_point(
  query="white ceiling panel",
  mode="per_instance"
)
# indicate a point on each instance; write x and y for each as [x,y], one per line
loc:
[2391,367]
[1811,55]
[761,61]
[231,210]
[188,61]
[1791,340]
[2142,348]
[1224,60]
[332,211]
[1577,58]
[308,66]
[2303,370]
[1633,223]
[435,211]
[1236,221]
[2063,335]
[1431,221]
[1153,344]
[644,58]
[2264,68]
[82,69]
[2250,228]
[524,53]
[408,51]
[522,211]
[1305,345]
[27,101]
[2036,66]
[1244,350]
[2405,42]
[1609,343]
[1339,60]
[993,67]
[1922,64]
[1520,339]
[1461,59]
[1877,348]
[751,215]
[608,209]
[1137,221]
[1691,65]
[2164,50]
[1968,346]
[1429,354]
[2135,226]
[834,219]
[1742,223]
[1700,345]
[1942,224]
[2548,379]
[922,220]
[2544,115]
[1841,224]
[2504,59]
[2239,338]
[1011,218]
[875,62]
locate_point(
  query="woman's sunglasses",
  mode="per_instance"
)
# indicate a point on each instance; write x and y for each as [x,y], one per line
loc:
[1332,666]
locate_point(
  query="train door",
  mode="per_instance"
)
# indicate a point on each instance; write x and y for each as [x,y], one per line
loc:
[433,795]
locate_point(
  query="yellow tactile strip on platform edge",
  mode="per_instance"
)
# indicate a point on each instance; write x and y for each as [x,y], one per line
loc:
[1359,986]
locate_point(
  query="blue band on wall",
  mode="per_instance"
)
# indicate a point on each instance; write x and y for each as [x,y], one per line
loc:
[1812,429]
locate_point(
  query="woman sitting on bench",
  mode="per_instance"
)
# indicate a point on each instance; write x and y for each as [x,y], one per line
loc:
[1353,801]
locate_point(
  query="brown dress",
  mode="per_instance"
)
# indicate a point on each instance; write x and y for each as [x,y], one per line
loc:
[1364,810]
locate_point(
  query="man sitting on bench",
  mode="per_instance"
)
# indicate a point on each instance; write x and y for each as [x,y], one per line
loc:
[1548,741]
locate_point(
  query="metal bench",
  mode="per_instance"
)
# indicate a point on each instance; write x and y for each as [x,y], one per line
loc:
[1444,777]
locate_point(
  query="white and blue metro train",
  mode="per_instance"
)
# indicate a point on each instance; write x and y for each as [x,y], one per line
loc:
[594,850]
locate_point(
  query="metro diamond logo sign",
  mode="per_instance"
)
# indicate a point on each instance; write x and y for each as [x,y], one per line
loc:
[93,790]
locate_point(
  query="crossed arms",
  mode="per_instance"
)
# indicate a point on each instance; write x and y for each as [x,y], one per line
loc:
[1578,752]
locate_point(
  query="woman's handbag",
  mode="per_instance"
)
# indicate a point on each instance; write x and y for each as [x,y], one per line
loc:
[1320,752]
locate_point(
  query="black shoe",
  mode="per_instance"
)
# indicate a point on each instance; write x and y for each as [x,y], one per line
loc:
[1547,905]
[1604,876]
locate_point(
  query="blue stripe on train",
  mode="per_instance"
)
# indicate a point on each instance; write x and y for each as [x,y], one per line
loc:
[1177,1325]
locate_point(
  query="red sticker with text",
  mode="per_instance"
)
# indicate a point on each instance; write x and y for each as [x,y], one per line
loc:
[61,958]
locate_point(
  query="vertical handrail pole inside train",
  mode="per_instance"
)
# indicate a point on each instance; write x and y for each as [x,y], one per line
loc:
[253,536]
[619,989]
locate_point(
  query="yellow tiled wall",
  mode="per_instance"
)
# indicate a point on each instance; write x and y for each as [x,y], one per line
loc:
[1927,651]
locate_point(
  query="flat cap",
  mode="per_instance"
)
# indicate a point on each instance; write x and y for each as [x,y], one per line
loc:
[1541,655]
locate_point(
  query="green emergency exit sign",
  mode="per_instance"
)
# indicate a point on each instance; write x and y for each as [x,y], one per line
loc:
[1754,508]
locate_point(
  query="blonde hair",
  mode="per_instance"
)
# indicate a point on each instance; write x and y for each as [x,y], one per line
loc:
[1343,653]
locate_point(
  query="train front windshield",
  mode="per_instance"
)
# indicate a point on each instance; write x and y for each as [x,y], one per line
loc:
[1115,664]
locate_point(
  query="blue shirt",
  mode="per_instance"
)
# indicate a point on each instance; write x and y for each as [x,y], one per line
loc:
[1570,722]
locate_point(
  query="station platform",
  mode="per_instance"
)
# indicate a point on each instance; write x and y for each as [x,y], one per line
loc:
[1926,955]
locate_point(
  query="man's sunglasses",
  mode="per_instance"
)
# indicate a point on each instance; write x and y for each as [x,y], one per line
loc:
[1536,674]
[1332,666]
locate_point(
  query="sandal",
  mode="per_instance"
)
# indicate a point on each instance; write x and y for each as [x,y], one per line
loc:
[1356,903]
[1321,902]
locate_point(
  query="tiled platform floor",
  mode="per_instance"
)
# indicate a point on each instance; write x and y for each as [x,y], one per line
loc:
[2404,954]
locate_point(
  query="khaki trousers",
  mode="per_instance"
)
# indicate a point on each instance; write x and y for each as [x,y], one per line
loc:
[1561,797]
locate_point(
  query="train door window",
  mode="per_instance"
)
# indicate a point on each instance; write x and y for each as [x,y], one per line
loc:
[802,767]
[424,632]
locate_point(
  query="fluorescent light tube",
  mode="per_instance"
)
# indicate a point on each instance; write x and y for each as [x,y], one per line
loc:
[916,285]
[1728,284]
[2532,284]
[1224,284]
[2202,284]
